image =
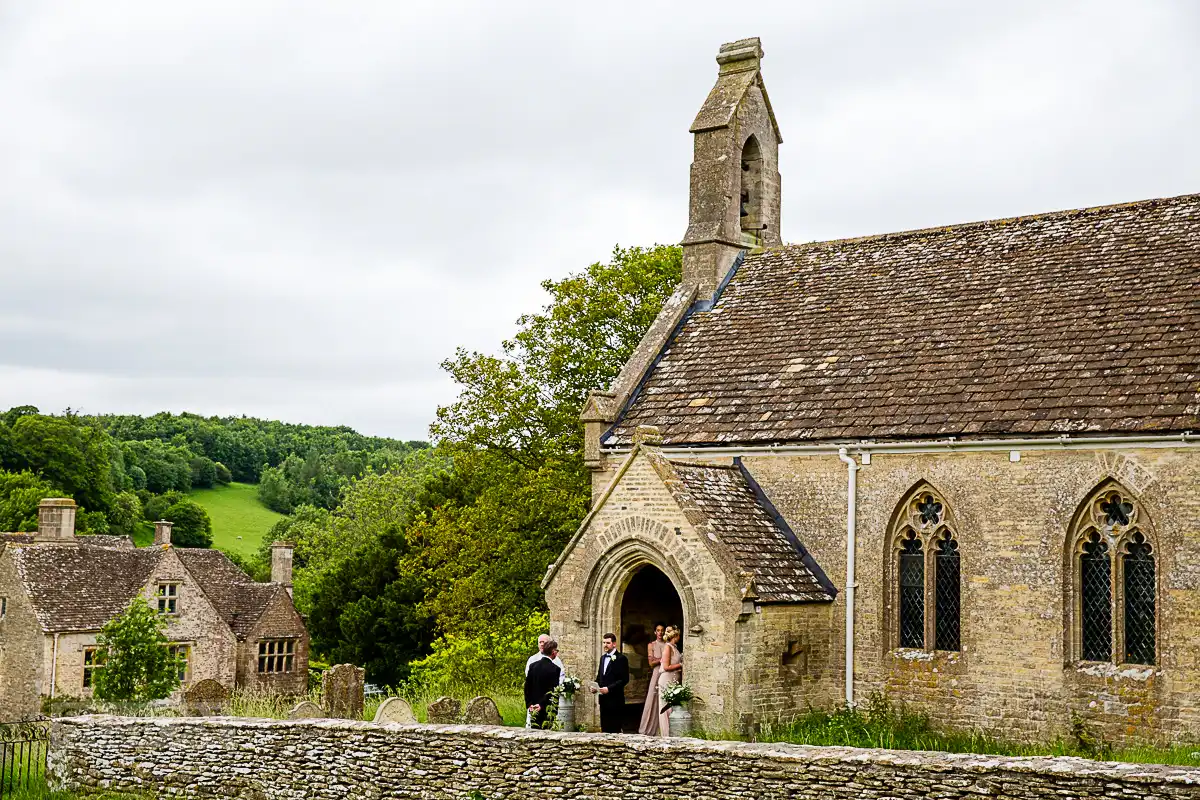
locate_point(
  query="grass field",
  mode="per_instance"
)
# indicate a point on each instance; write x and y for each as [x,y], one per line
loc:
[239,521]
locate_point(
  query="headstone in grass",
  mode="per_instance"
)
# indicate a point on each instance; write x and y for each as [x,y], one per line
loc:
[482,711]
[206,697]
[395,709]
[306,710]
[342,691]
[444,711]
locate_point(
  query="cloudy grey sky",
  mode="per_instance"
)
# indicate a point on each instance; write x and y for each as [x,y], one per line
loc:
[296,210]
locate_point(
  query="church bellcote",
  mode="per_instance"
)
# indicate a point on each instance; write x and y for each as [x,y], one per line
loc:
[735,185]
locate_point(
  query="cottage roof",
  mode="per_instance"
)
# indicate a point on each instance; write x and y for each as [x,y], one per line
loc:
[725,503]
[237,598]
[81,585]
[1084,321]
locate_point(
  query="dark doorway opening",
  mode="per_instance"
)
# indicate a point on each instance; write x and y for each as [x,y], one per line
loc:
[650,599]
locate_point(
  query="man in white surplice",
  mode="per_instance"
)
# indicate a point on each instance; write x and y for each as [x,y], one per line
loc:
[545,637]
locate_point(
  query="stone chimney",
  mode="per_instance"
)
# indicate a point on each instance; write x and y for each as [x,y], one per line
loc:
[281,564]
[735,184]
[162,533]
[56,520]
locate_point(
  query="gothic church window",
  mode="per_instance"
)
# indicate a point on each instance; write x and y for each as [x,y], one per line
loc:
[925,596]
[1112,594]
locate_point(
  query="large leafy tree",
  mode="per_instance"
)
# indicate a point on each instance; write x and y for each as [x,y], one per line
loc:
[137,664]
[20,494]
[69,452]
[516,441]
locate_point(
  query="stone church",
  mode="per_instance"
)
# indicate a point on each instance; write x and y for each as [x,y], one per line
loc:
[957,466]
[57,590]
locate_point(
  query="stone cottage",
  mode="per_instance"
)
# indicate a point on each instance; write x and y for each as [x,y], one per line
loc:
[957,466]
[58,589]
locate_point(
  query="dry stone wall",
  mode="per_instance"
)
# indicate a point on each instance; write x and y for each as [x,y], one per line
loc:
[222,757]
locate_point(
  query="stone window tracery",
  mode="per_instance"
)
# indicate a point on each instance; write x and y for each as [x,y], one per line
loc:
[925,599]
[1113,582]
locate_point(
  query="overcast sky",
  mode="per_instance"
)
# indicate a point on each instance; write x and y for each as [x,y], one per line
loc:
[296,210]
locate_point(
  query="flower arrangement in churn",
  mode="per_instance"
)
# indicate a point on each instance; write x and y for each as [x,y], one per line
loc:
[676,694]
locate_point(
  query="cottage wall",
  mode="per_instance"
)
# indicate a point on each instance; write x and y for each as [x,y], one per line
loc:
[20,662]
[214,646]
[279,621]
[1013,520]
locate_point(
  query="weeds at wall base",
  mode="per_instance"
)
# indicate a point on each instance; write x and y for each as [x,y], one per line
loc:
[879,724]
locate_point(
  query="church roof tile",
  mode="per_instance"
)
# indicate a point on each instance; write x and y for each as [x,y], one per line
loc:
[1083,321]
[732,508]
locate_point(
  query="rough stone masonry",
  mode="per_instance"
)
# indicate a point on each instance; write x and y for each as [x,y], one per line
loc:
[224,757]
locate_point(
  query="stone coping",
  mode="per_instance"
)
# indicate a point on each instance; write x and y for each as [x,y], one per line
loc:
[935,761]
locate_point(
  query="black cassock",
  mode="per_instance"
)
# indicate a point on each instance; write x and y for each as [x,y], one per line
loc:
[540,681]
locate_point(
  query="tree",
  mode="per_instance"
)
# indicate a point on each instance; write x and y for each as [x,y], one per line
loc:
[138,667]
[192,526]
[125,514]
[519,487]
[20,494]
[69,452]
[224,476]
[366,611]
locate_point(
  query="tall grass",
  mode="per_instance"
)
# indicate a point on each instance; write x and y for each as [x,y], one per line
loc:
[878,724]
[270,705]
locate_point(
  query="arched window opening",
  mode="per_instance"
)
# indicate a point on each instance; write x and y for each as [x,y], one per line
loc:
[750,196]
[1139,601]
[1113,588]
[912,592]
[924,609]
[947,590]
[1095,576]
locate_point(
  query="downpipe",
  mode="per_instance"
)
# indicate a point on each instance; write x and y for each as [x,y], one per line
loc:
[851,509]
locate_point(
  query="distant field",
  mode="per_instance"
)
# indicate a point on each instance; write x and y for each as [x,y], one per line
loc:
[239,521]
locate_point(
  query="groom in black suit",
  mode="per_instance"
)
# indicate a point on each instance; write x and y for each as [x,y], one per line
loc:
[540,681]
[612,677]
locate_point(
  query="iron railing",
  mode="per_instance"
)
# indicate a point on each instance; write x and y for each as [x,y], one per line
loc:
[22,756]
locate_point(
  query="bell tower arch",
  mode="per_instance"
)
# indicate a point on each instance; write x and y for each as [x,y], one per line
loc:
[735,183]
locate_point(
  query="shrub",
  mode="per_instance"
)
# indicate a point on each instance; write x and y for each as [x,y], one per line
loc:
[137,664]
[192,526]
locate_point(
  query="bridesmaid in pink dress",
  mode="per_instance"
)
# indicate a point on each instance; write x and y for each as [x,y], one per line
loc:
[672,672]
[654,654]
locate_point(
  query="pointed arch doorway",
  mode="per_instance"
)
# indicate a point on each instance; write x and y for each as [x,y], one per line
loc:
[649,599]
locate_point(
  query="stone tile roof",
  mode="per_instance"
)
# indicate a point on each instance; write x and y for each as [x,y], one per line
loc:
[79,587]
[16,538]
[1082,321]
[735,511]
[237,598]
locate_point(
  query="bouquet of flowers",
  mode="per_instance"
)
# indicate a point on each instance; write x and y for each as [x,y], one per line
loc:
[569,686]
[676,694]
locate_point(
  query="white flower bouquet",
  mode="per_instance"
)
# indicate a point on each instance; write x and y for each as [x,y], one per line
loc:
[569,686]
[676,694]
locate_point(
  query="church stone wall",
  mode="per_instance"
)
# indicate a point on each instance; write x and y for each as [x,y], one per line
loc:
[1011,677]
[213,757]
[743,665]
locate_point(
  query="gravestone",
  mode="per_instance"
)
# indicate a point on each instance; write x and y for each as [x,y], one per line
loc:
[342,691]
[482,711]
[306,710]
[205,697]
[444,711]
[395,709]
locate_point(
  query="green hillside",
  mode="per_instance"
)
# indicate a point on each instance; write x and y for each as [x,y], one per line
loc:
[239,520]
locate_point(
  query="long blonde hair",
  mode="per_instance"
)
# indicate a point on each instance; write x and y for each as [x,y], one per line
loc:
[670,633]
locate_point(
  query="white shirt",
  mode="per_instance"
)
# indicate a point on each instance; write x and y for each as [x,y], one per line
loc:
[605,660]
